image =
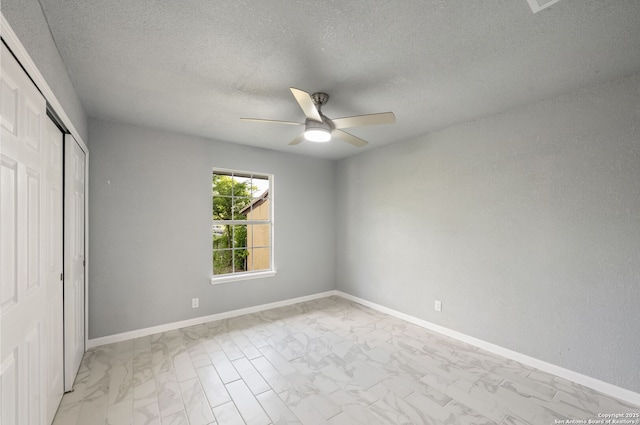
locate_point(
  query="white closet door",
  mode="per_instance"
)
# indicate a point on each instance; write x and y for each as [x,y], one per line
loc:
[74,184]
[55,361]
[27,258]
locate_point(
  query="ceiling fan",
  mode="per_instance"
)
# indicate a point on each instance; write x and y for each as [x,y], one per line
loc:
[319,128]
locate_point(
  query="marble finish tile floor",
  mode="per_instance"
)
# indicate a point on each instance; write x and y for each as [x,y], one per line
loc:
[327,361]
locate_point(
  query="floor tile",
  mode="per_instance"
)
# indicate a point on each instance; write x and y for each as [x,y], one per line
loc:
[228,414]
[278,382]
[251,376]
[248,406]
[195,403]
[169,396]
[212,386]
[224,367]
[276,409]
[146,414]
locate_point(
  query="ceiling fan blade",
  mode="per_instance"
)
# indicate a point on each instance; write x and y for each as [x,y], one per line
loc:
[349,138]
[297,140]
[306,103]
[360,120]
[272,121]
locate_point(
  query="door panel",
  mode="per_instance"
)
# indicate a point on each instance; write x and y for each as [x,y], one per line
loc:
[23,213]
[8,227]
[34,215]
[74,284]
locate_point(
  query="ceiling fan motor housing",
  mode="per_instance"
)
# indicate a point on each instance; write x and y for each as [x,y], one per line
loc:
[326,124]
[320,99]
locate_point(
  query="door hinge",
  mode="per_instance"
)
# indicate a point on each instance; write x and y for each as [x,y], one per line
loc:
[61,276]
[84,262]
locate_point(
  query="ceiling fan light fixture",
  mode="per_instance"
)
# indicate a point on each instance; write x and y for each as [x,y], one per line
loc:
[317,131]
[318,135]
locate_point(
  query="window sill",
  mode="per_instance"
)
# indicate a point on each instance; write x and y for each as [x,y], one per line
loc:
[242,276]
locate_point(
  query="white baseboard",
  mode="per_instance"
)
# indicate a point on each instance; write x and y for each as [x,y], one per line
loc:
[124,336]
[570,375]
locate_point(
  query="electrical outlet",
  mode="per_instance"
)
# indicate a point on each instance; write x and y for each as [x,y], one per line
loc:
[195,302]
[438,305]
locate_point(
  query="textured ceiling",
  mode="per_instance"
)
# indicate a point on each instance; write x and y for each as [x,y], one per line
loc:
[197,66]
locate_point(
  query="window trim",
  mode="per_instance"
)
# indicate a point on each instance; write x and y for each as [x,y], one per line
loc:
[233,277]
[248,275]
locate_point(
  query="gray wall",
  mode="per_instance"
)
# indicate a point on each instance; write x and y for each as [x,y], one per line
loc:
[526,225]
[28,22]
[150,227]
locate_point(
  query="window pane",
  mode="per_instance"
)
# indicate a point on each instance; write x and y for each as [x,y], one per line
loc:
[260,209]
[240,260]
[240,236]
[241,186]
[242,206]
[258,235]
[216,184]
[221,237]
[222,261]
[259,259]
[222,207]
[259,185]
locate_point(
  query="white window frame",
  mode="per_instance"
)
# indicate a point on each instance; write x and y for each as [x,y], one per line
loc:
[247,275]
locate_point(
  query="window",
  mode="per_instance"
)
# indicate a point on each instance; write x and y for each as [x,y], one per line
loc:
[242,227]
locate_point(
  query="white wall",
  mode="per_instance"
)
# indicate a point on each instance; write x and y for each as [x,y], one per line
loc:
[150,218]
[526,225]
